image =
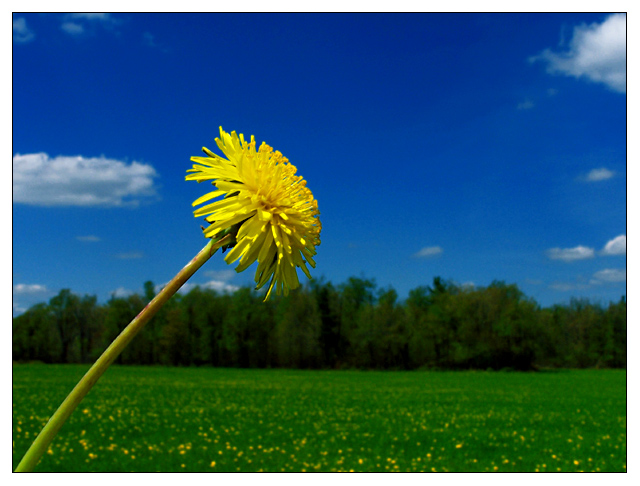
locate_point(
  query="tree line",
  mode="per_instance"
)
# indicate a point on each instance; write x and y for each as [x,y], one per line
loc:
[353,325]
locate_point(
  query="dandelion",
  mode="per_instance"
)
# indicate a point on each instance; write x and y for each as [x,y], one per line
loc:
[266,207]
[268,214]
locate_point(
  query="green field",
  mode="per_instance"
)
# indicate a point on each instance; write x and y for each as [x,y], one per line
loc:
[199,419]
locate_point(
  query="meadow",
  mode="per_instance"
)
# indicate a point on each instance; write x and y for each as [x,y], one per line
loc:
[214,419]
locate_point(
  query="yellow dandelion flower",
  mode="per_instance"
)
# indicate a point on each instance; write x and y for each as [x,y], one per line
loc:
[269,210]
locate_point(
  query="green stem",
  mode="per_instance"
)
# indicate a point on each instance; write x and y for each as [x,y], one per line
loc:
[41,444]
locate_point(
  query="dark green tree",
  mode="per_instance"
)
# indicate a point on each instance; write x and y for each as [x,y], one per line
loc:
[65,310]
[421,337]
[120,311]
[327,300]
[297,330]
[442,326]
[616,322]
[246,330]
[35,337]
[357,295]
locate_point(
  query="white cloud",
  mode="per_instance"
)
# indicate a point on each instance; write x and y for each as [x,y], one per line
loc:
[579,284]
[81,23]
[149,39]
[133,255]
[88,238]
[21,33]
[219,286]
[223,275]
[525,105]
[29,289]
[79,181]
[18,309]
[121,292]
[610,275]
[562,287]
[597,52]
[603,277]
[72,28]
[27,294]
[617,246]
[216,285]
[602,174]
[571,254]
[428,251]
[91,16]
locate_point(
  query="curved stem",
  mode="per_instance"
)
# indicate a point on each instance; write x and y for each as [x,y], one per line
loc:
[42,441]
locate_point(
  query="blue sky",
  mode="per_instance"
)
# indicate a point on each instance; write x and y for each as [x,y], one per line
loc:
[475,147]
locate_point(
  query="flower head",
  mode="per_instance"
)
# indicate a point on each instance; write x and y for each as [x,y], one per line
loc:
[268,208]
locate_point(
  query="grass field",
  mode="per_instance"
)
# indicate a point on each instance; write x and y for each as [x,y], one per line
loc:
[188,419]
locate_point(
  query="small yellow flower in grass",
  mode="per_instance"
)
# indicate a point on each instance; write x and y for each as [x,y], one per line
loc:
[269,210]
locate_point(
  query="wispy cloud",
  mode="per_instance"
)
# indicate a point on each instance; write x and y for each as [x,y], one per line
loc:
[27,294]
[21,32]
[609,275]
[133,255]
[571,254]
[602,174]
[219,281]
[616,246]
[121,292]
[101,16]
[72,28]
[580,283]
[23,289]
[79,181]
[149,39]
[428,251]
[217,285]
[597,52]
[223,275]
[527,104]
[18,309]
[88,238]
[563,286]
[77,24]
